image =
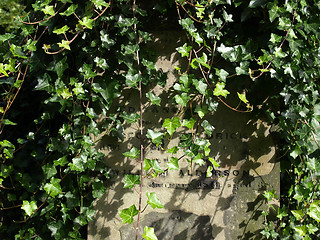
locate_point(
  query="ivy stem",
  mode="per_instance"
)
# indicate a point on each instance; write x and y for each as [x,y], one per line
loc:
[141,121]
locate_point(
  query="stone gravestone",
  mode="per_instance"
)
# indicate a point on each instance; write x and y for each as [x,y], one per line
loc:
[226,206]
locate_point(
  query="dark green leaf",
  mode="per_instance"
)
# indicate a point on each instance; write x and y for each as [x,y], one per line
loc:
[127,214]
[53,188]
[153,98]
[131,180]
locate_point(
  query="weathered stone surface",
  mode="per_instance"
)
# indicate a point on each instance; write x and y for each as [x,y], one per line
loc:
[226,206]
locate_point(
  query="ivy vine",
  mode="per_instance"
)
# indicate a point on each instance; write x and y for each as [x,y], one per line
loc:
[64,62]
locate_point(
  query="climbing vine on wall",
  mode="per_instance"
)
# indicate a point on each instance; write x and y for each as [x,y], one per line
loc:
[63,62]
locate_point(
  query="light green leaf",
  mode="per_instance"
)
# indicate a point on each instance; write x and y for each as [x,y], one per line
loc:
[184,50]
[61,30]
[156,137]
[149,233]
[8,122]
[65,94]
[209,171]
[314,210]
[198,159]
[127,214]
[214,162]
[70,10]
[182,99]
[201,111]
[173,150]
[202,61]
[53,188]
[29,207]
[87,22]
[173,164]
[242,97]
[171,125]
[220,91]
[100,3]
[188,123]
[153,98]
[131,180]
[49,10]
[302,230]
[153,201]
[153,164]
[133,153]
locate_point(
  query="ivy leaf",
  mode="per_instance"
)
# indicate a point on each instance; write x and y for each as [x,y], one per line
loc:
[202,61]
[200,86]
[153,201]
[256,3]
[61,30]
[131,180]
[242,97]
[209,171]
[156,137]
[100,3]
[29,207]
[49,10]
[70,10]
[127,214]
[132,78]
[87,22]
[188,123]
[6,37]
[173,150]
[302,230]
[273,13]
[171,125]
[243,69]
[185,80]
[198,159]
[153,98]
[214,162]
[220,91]
[208,128]
[149,233]
[133,153]
[201,111]
[184,50]
[130,118]
[53,188]
[64,44]
[222,74]
[227,17]
[314,165]
[182,99]
[314,210]
[107,42]
[86,71]
[77,165]
[173,164]
[153,164]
